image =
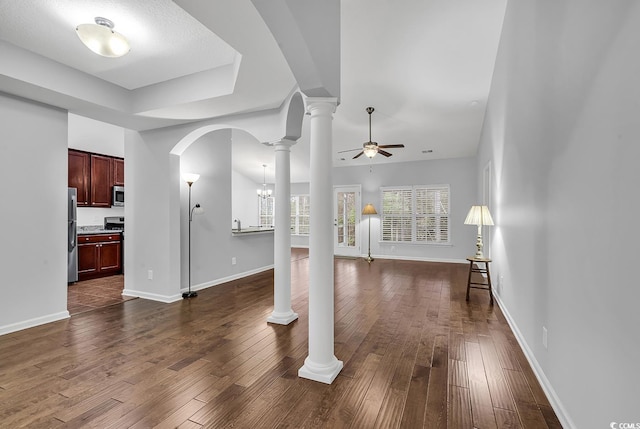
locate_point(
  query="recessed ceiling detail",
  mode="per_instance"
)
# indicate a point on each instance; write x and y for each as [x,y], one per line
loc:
[167,42]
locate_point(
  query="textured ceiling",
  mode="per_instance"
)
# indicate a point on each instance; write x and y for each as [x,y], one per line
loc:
[425,66]
[166,42]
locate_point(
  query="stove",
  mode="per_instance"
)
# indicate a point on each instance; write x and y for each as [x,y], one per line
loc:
[115,223]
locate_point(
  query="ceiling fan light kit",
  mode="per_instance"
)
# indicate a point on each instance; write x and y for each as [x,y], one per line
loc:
[371,148]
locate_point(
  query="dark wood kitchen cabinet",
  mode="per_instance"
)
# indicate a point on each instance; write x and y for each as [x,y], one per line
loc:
[101,181]
[99,255]
[79,167]
[94,176]
[118,171]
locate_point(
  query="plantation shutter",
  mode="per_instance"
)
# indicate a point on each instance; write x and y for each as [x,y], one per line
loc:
[266,211]
[396,214]
[432,214]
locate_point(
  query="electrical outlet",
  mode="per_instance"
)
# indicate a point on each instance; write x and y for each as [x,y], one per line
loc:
[544,337]
[233,260]
[501,283]
[150,275]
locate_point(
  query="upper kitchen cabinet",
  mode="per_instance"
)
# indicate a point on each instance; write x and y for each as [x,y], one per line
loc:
[101,181]
[79,166]
[94,176]
[118,172]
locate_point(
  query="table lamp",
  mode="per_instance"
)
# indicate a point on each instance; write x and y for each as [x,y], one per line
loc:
[479,215]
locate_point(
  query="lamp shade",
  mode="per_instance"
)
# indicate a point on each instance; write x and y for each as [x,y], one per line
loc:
[479,215]
[369,210]
[198,210]
[101,38]
[190,178]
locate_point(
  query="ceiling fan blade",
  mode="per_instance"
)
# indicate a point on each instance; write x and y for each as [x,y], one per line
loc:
[349,150]
[384,153]
[391,145]
[358,155]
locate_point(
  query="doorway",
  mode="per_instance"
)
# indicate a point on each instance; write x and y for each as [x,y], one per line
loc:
[346,208]
[486,200]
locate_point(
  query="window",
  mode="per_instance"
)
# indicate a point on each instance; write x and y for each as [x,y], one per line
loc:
[266,211]
[415,214]
[300,214]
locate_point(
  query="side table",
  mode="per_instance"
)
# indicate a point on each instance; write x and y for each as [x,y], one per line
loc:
[474,267]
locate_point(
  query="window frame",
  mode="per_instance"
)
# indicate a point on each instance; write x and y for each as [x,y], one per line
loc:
[270,202]
[409,217]
[295,218]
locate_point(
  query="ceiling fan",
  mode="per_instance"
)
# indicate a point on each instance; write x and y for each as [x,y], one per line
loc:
[370,148]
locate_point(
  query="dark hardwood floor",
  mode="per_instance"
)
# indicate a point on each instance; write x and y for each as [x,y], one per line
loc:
[88,295]
[415,354]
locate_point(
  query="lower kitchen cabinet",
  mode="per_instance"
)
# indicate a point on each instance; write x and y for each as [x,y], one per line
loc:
[99,255]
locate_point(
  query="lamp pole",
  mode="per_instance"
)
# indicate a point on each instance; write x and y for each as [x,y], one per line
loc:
[369,210]
[369,258]
[190,179]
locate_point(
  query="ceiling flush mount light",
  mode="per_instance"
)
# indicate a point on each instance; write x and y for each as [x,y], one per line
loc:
[101,38]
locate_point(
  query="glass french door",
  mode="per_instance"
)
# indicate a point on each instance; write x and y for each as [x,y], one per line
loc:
[346,237]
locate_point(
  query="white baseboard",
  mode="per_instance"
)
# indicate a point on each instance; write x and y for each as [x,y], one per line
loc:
[173,298]
[237,276]
[25,324]
[559,409]
[167,299]
[419,258]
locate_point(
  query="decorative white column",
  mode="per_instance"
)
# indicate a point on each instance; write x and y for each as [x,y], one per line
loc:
[321,364]
[282,312]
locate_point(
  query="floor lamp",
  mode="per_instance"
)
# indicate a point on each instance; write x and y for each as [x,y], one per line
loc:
[369,210]
[191,178]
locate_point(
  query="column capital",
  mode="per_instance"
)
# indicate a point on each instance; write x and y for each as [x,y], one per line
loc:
[283,144]
[319,105]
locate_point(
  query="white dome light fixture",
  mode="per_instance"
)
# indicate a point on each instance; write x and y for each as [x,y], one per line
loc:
[101,38]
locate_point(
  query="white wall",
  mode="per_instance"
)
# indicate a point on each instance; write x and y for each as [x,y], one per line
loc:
[459,174]
[156,215]
[97,137]
[212,243]
[244,200]
[561,133]
[33,179]
[152,240]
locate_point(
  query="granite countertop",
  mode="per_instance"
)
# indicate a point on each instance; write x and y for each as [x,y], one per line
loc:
[96,229]
[251,230]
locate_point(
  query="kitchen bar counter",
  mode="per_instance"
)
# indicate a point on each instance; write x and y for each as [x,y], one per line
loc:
[91,230]
[251,230]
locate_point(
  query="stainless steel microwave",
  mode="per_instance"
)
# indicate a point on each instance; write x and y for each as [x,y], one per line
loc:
[118,196]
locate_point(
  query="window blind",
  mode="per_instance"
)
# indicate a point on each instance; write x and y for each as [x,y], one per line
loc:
[415,214]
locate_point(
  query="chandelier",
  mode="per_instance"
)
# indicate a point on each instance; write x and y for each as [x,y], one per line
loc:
[264,192]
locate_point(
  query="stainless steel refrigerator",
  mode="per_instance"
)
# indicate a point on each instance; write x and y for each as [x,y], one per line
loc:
[72,236]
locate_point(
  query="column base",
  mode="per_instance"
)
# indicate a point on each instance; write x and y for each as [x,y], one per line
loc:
[282,318]
[321,373]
